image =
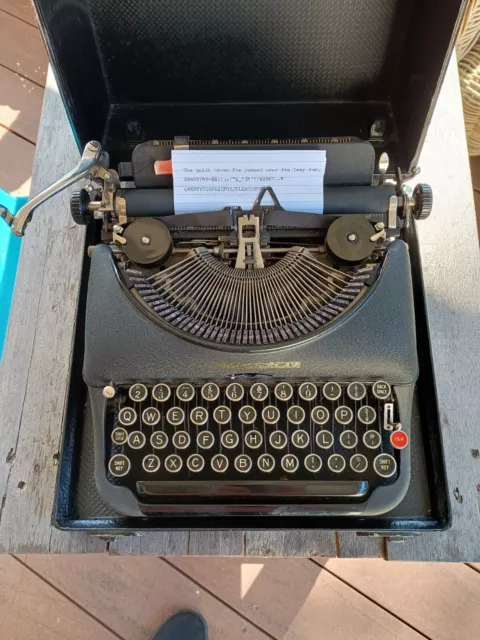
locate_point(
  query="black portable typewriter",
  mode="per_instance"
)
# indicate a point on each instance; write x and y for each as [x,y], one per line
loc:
[250,365]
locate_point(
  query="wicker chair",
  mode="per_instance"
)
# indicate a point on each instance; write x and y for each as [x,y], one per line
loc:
[468,55]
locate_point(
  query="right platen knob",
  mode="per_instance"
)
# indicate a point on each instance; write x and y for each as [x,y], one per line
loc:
[423,201]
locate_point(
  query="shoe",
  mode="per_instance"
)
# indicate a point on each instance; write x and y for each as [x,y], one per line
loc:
[182,625]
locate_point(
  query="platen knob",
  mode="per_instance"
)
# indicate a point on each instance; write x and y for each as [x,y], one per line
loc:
[423,197]
[79,201]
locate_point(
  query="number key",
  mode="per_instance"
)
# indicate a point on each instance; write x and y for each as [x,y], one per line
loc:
[185,392]
[138,392]
[210,391]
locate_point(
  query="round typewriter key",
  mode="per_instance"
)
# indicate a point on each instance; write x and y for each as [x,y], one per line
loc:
[313,462]
[195,462]
[295,414]
[222,415]
[358,463]
[173,463]
[307,391]
[253,439]
[127,416]
[151,416]
[175,416]
[336,463]
[229,439]
[185,392]
[324,439]
[247,414]
[332,391]
[356,391]
[181,439]
[210,391]
[348,439]
[399,439]
[205,439]
[266,462]
[119,436]
[219,463]
[243,463]
[259,392]
[381,390]
[343,415]
[283,391]
[372,439]
[367,414]
[161,392]
[289,463]
[278,439]
[234,392]
[136,440]
[138,392]
[300,439]
[320,415]
[385,465]
[159,440]
[151,463]
[119,465]
[271,414]
[199,415]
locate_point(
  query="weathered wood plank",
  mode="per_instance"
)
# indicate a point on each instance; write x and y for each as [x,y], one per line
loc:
[16,161]
[38,349]
[293,598]
[290,543]
[160,543]
[22,9]
[20,106]
[221,543]
[30,608]
[451,268]
[440,600]
[30,61]
[132,596]
[349,545]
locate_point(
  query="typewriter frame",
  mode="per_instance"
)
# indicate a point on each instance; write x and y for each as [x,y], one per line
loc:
[390,104]
[438,519]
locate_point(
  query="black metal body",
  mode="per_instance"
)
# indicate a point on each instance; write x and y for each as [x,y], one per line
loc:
[424,508]
[131,72]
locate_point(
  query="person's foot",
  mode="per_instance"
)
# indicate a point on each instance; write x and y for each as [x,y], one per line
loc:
[182,625]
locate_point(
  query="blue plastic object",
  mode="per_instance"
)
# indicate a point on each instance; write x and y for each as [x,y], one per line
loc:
[9,252]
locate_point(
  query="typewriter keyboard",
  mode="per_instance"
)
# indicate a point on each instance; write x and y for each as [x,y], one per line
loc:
[253,431]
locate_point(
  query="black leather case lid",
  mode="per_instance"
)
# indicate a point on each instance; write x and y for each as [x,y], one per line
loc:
[130,70]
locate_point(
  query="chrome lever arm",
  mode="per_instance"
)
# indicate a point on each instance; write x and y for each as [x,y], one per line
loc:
[90,158]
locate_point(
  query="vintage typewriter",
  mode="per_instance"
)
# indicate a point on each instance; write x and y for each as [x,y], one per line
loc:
[249,367]
[256,360]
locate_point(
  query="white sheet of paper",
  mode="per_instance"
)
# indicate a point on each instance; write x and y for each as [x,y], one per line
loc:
[213,179]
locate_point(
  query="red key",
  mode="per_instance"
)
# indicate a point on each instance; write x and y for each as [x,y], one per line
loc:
[399,439]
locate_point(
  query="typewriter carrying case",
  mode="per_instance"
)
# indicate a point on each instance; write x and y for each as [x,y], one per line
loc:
[257,70]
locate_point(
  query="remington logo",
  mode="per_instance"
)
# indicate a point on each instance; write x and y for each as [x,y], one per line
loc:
[254,366]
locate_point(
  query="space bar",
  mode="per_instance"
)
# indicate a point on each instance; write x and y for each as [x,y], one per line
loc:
[257,489]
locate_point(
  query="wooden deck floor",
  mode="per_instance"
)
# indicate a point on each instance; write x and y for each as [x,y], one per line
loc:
[86,597]
[23,70]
